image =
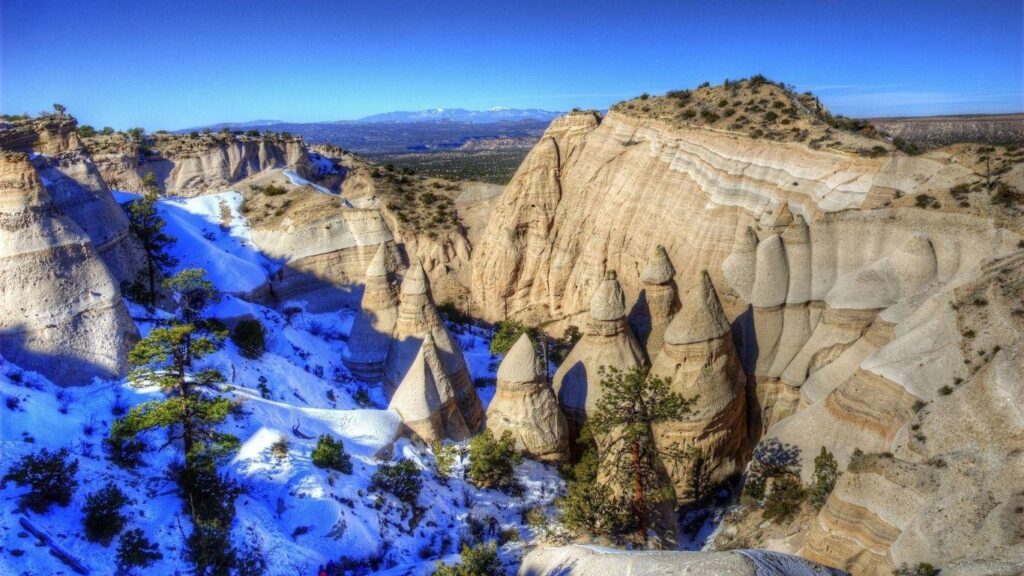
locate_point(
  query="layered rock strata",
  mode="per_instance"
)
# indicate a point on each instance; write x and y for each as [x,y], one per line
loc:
[525,405]
[576,205]
[701,361]
[607,342]
[418,317]
[61,312]
[371,331]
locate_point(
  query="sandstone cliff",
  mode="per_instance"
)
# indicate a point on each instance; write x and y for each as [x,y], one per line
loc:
[839,263]
[190,166]
[61,311]
[76,186]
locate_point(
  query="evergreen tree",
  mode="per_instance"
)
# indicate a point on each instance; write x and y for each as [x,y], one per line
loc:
[165,358]
[633,401]
[148,226]
[826,472]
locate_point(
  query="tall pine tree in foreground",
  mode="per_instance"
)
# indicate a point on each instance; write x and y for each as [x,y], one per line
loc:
[147,225]
[632,403]
[165,358]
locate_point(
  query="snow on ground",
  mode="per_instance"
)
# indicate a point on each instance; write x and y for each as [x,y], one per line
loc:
[302,515]
[212,234]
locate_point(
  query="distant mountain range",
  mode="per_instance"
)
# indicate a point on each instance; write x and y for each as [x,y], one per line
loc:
[494,115]
[420,131]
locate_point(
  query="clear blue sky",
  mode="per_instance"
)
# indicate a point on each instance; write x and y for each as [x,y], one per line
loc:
[173,64]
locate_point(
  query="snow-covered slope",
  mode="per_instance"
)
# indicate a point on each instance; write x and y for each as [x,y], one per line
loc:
[301,515]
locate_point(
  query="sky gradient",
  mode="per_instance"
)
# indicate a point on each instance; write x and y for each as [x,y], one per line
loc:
[170,65]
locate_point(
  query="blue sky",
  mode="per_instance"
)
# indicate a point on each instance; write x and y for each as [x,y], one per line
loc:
[185,63]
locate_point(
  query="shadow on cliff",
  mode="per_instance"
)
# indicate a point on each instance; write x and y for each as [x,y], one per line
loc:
[640,322]
[64,369]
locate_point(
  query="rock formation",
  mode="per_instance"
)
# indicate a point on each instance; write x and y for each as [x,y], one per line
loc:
[186,166]
[373,326]
[701,361]
[607,341]
[657,303]
[75,186]
[525,405]
[844,276]
[61,312]
[425,399]
[418,317]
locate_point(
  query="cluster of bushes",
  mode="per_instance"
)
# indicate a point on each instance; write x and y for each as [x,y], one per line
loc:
[787,494]
[50,477]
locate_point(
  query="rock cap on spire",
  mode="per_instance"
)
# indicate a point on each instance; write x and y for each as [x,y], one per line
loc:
[608,302]
[521,364]
[659,269]
[701,318]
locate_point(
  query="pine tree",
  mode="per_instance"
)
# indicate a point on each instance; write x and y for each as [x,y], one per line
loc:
[826,472]
[148,226]
[165,358]
[632,403]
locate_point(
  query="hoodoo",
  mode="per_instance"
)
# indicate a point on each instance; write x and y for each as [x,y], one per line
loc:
[700,359]
[658,302]
[525,405]
[607,341]
[425,400]
[418,316]
[69,325]
[368,343]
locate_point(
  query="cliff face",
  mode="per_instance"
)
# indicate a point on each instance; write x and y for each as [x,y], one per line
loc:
[592,196]
[842,274]
[76,187]
[61,312]
[187,166]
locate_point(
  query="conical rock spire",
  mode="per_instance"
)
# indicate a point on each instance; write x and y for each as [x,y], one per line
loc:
[701,317]
[525,405]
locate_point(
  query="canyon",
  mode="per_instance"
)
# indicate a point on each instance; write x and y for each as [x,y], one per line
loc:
[808,284]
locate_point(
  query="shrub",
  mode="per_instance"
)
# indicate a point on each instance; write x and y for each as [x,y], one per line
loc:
[134,550]
[103,517]
[785,498]
[754,488]
[250,337]
[280,448]
[590,508]
[480,560]
[826,472]
[945,390]
[445,456]
[771,116]
[922,569]
[124,452]
[908,148]
[401,478]
[492,461]
[330,453]
[508,331]
[49,476]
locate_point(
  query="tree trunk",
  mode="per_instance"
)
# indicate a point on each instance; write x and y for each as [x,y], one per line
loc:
[638,497]
[186,414]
